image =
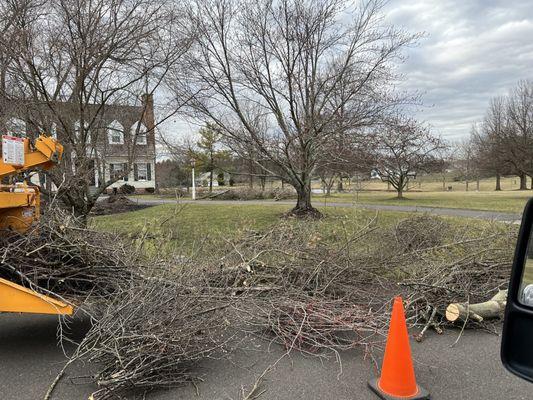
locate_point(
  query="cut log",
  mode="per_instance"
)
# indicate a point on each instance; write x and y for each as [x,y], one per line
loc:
[478,312]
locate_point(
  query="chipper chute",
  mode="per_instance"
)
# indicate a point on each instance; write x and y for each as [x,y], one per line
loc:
[16,298]
[19,210]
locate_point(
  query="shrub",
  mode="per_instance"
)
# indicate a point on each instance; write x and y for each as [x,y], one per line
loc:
[126,189]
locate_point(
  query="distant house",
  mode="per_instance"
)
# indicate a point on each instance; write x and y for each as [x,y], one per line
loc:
[119,123]
[375,175]
[203,179]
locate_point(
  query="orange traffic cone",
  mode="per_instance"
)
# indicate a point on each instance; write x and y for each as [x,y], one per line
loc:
[397,372]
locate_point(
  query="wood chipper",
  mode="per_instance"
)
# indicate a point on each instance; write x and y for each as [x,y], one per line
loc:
[20,209]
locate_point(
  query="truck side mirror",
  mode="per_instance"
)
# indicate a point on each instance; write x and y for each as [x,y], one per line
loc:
[517,336]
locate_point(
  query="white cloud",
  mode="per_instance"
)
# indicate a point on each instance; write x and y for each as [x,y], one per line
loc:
[473,50]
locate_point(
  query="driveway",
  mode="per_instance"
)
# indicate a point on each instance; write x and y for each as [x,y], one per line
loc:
[452,212]
[470,370]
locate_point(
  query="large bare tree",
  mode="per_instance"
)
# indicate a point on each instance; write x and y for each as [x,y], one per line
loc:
[66,61]
[488,139]
[278,76]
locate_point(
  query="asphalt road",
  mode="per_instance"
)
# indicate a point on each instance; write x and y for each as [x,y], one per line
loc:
[453,212]
[31,359]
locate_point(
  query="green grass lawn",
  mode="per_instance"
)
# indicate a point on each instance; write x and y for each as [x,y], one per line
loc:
[512,201]
[189,227]
[505,201]
[190,223]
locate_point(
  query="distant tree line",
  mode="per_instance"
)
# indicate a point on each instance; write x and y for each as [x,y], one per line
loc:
[502,144]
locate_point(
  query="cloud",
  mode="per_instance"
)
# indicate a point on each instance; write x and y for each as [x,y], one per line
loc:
[473,50]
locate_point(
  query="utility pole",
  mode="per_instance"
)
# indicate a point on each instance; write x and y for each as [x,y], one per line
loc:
[193,181]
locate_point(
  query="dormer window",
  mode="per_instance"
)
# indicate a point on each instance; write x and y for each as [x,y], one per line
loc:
[115,133]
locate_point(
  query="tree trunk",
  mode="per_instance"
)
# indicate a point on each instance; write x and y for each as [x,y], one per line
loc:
[303,208]
[400,193]
[340,187]
[467,183]
[478,312]
[498,182]
[210,181]
[401,186]
[523,182]
[477,184]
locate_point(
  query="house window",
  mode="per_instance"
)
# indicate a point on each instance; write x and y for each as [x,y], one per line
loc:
[141,138]
[115,133]
[53,130]
[143,172]
[117,170]
[82,133]
[138,132]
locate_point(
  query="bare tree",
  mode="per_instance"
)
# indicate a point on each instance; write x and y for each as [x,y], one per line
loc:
[71,60]
[504,140]
[403,148]
[488,140]
[276,77]
[465,159]
[518,138]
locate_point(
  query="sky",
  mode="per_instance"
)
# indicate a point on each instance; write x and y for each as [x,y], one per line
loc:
[472,50]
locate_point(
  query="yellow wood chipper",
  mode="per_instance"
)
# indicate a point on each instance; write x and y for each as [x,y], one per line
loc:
[20,209]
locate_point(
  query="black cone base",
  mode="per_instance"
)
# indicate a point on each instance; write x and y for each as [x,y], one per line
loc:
[421,395]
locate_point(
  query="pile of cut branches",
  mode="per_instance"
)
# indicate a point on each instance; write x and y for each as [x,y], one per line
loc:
[152,334]
[59,256]
[468,268]
[316,291]
[276,194]
[312,294]
[309,286]
[151,322]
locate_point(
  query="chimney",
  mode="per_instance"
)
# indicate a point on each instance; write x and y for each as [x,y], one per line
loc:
[148,117]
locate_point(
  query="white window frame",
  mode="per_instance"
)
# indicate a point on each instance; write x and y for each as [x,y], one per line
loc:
[114,130]
[112,170]
[145,167]
[142,139]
